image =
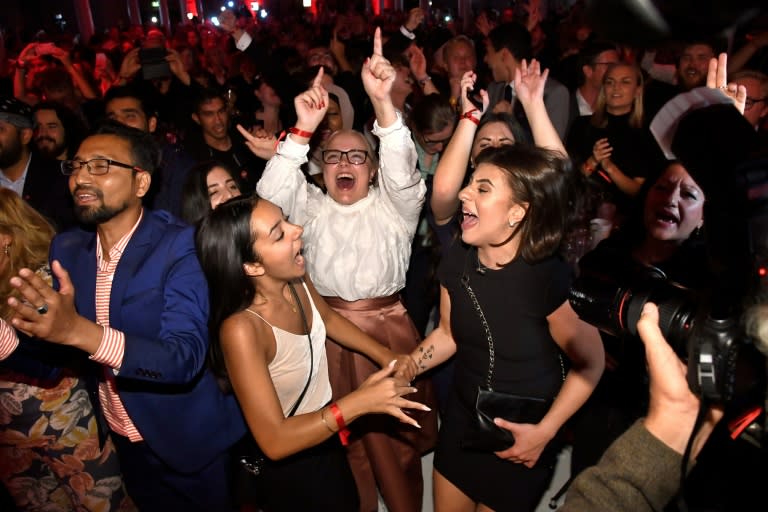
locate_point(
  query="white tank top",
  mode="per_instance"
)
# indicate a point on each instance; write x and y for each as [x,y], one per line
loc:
[290,367]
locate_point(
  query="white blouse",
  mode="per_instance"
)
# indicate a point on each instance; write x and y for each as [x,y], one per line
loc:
[357,251]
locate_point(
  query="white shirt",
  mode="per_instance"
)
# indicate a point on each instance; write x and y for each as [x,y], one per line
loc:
[585,109]
[359,251]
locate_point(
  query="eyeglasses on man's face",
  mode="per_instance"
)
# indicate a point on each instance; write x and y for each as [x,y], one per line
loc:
[95,166]
[750,102]
[354,156]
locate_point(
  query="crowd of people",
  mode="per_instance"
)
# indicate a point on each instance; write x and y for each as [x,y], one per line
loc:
[252,266]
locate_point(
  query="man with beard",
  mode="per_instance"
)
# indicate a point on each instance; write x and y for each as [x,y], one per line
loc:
[36,179]
[132,296]
[58,131]
[691,73]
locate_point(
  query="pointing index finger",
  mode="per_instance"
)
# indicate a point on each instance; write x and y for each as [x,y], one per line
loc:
[318,81]
[377,46]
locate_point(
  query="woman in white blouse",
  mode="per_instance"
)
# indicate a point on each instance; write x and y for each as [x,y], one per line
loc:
[357,243]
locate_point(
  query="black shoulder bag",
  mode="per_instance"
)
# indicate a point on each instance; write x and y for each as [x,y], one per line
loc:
[482,434]
[249,455]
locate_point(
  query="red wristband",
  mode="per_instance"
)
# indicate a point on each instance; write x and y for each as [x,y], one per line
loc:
[468,115]
[300,133]
[343,430]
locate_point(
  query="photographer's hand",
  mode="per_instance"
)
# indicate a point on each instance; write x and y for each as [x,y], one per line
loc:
[673,407]
[130,66]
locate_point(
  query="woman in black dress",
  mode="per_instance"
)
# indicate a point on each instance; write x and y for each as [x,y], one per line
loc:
[513,219]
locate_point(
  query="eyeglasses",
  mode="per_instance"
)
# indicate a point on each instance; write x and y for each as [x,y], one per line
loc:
[354,156]
[430,142]
[95,166]
[603,63]
[750,102]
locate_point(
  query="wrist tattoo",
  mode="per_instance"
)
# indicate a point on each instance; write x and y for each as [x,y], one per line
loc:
[425,355]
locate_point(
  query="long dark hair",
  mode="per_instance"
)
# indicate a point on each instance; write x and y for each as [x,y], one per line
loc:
[543,179]
[195,202]
[224,242]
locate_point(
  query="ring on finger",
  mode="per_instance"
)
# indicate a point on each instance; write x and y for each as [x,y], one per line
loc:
[41,310]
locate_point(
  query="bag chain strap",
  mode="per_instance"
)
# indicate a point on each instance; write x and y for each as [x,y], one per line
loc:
[486,327]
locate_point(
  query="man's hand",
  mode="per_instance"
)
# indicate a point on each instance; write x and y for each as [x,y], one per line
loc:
[717,79]
[415,17]
[45,313]
[673,407]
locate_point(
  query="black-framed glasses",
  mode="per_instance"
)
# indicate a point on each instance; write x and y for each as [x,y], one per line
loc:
[430,142]
[750,102]
[95,166]
[354,156]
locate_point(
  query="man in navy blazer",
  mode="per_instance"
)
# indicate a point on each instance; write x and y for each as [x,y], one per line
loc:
[131,295]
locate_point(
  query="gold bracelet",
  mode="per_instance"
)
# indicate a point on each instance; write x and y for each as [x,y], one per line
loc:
[322,417]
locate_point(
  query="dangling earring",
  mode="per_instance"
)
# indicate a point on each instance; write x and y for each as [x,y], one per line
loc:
[7,249]
[696,232]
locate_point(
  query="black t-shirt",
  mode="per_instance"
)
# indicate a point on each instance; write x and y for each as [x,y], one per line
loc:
[516,301]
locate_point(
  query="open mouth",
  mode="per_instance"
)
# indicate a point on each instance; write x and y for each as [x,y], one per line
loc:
[468,219]
[667,218]
[345,181]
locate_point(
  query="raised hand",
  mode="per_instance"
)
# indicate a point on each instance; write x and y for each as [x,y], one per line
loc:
[378,74]
[530,81]
[417,62]
[311,105]
[415,17]
[130,65]
[468,81]
[717,74]
[384,394]
[227,21]
[261,143]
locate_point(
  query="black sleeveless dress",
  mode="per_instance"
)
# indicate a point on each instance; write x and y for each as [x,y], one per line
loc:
[516,301]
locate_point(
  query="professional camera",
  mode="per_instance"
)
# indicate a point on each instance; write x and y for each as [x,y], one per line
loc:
[705,327]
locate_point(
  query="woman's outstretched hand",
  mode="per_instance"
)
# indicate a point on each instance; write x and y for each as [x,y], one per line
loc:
[311,105]
[468,81]
[378,74]
[530,81]
[382,393]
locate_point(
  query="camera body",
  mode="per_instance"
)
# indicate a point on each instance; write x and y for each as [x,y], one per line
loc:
[153,63]
[709,345]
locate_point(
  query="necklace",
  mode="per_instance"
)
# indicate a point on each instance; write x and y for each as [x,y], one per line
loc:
[291,302]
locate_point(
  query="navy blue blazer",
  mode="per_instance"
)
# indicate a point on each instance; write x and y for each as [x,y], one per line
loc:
[159,299]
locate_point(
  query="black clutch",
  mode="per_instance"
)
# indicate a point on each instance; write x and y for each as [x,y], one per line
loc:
[483,434]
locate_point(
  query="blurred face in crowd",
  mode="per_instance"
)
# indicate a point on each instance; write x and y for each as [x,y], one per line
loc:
[757,100]
[693,65]
[213,118]
[12,142]
[346,182]
[492,135]
[321,56]
[496,62]
[403,81]
[674,206]
[621,87]
[221,186]
[595,73]
[49,138]
[128,111]
[267,95]
[460,58]
[332,122]
[435,142]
